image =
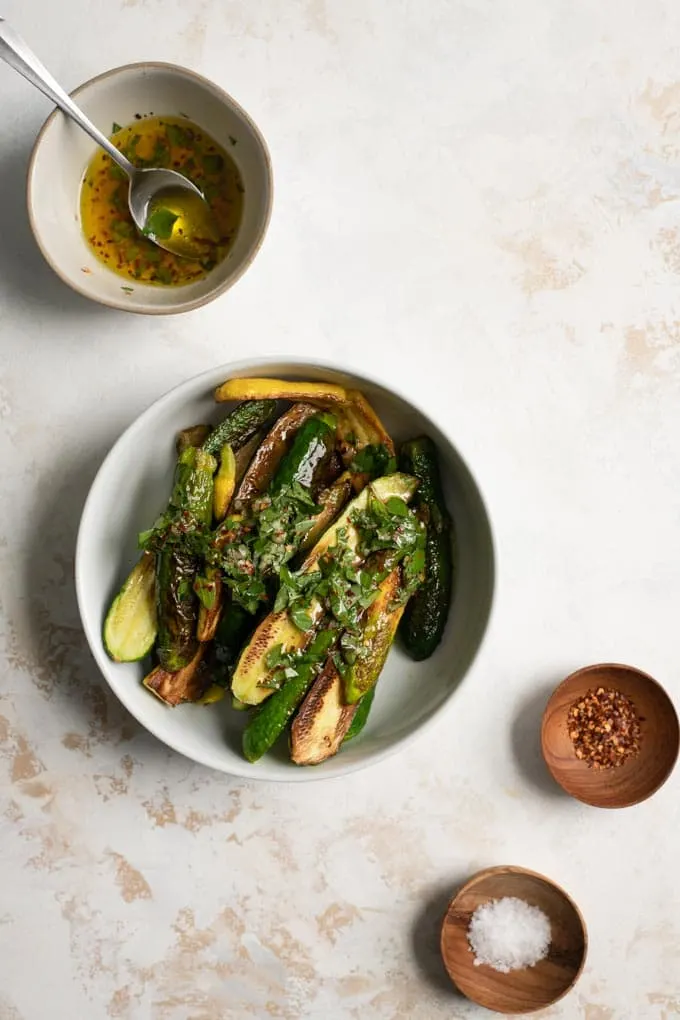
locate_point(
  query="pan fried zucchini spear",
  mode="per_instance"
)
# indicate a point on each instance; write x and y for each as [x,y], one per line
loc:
[240,425]
[130,626]
[176,600]
[252,674]
[378,628]
[271,718]
[186,684]
[270,453]
[426,614]
[323,721]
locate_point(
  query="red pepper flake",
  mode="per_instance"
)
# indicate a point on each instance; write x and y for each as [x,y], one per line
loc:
[604,728]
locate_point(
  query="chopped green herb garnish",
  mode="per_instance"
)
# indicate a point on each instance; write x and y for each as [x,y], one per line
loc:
[121,230]
[164,274]
[303,662]
[375,461]
[159,223]
[178,135]
[213,163]
[115,128]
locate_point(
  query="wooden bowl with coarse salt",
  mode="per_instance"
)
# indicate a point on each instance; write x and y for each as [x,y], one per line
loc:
[610,735]
[513,940]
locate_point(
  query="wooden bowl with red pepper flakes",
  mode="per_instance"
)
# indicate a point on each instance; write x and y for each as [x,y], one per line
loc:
[610,735]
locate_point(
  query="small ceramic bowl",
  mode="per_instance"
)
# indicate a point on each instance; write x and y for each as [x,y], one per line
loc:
[132,487]
[639,777]
[529,989]
[62,152]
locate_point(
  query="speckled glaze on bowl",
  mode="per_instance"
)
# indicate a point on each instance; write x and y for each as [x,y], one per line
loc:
[132,487]
[62,151]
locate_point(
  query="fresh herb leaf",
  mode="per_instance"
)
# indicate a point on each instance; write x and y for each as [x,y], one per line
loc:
[131,147]
[115,128]
[374,460]
[159,223]
[161,153]
[301,619]
[121,230]
[163,274]
[213,163]
[304,663]
[178,136]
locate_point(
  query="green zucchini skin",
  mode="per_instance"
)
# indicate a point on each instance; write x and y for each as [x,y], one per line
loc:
[176,602]
[360,716]
[271,718]
[240,425]
[130,627]
[235,627]
[311,450]
[424,620]
[176,609]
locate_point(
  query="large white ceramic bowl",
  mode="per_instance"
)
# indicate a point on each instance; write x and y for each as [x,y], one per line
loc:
[132,487]
[62,152]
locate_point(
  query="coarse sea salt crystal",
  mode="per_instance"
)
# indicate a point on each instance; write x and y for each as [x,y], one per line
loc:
[509,934]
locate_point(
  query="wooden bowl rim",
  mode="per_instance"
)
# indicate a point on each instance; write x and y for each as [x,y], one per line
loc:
[642,675]
[516,869]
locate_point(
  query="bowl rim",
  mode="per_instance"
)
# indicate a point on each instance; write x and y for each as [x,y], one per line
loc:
[563,685]
[517,869]
[119,304]
[93,630]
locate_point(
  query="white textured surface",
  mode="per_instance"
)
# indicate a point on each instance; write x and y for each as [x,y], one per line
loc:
[480,201]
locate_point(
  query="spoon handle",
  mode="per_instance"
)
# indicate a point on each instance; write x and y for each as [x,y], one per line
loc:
[17,54]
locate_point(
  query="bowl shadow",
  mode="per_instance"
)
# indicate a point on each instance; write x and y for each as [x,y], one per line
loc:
[52,644]
[23,270]
[526,741]
[426,937]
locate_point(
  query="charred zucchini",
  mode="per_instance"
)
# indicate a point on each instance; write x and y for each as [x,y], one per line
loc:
[270,453]
[130,626]
[192,436]
[185,684]
[239,426]
[331,501]
[225,482]
[176,600]
[323,720]
[378,628]
[312,448]
[426,614]
[280,389]
[271,718]
[252,674]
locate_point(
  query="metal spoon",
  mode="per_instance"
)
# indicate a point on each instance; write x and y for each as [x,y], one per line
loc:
[147,187]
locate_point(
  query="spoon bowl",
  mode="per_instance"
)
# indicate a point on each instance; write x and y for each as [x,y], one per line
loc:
[168,190]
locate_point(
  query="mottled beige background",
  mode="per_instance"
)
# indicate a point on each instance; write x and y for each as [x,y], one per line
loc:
[481,202]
